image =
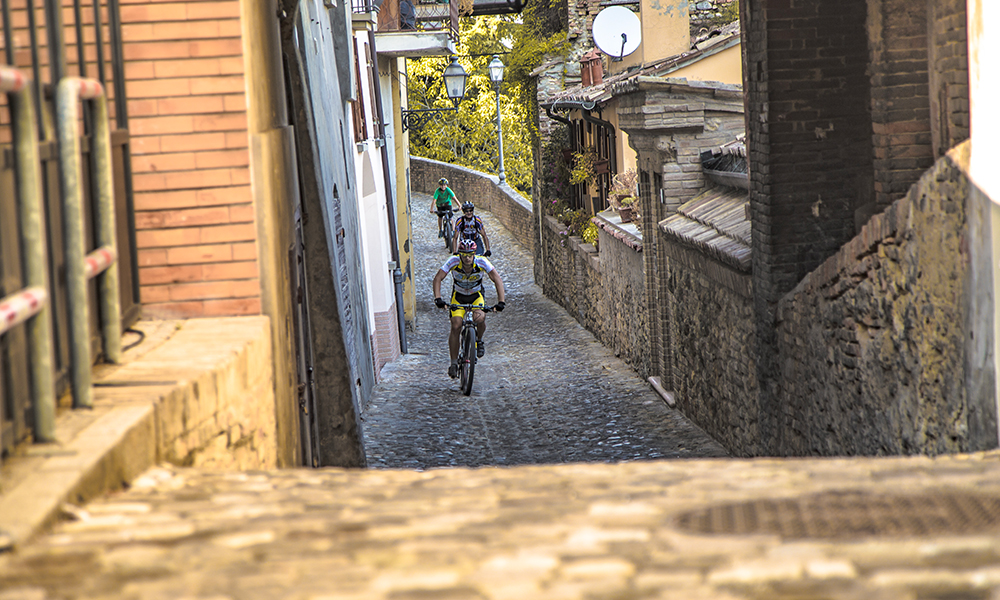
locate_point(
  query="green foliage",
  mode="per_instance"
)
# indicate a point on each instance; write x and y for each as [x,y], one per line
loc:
[583,166]
[589,234]
[468,137]
[727,14]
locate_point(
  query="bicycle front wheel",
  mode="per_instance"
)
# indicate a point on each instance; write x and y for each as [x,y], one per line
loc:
[468,363]
[448,232]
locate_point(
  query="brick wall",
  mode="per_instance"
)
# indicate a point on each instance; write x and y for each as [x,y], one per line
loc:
[385,340]
[949,74]
[897,31]
[194,214]
[809,140]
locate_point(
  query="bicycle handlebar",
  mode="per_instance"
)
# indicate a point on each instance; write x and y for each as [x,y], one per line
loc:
[473,307]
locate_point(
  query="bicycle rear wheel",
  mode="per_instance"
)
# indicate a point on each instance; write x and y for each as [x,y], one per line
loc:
[468,361]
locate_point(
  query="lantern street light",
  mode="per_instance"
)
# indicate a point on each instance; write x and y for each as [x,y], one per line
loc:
[454,84]
[496,76]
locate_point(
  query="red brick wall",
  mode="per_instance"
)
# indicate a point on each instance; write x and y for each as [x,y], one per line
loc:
[194,214]
[949,66]
[809,133]
[900,96]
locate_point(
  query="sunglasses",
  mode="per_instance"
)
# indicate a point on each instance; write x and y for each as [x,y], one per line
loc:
[466,253]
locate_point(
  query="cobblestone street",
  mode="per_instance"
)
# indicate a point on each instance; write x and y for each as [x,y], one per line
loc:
[546,392]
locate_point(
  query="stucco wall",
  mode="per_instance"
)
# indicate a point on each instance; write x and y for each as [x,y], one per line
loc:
[873,344]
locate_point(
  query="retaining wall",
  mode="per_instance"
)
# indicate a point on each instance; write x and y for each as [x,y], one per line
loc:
[603,290]
[502,201]
[877,347]
[711,353]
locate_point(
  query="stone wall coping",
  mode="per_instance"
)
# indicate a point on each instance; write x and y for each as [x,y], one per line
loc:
[628,234]
[504,188]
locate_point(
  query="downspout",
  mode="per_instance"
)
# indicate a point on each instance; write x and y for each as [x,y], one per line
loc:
[613,159]
[397,273]
[572,141]
[585,113]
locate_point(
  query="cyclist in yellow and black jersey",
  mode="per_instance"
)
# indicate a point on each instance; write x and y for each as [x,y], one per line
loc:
[468,271]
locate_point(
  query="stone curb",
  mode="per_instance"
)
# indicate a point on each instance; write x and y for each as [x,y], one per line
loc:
[157,388]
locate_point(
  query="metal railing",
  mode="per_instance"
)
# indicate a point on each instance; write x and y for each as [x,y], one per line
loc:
[101,263]
[85,324]
[31,303]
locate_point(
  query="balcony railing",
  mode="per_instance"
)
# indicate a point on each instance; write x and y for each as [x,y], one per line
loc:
[407,15]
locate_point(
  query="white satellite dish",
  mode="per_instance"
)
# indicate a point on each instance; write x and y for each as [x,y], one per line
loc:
[617,31]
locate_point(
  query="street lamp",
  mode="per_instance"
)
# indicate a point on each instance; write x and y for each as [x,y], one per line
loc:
[496,76]
[454,85]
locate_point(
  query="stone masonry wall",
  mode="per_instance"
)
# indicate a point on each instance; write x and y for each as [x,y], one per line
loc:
[705,13]
[872,343]
[602,290]
[714,375]
[512,209]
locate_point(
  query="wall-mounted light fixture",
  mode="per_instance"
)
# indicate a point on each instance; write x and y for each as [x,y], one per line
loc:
[454,84]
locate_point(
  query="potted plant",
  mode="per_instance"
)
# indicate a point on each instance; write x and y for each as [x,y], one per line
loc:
[627,209]
[624,195]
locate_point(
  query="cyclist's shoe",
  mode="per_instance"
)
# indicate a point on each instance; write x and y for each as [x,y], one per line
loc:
[480,349]
[453,370]
[440,233]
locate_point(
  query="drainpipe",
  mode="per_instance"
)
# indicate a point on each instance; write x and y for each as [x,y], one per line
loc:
[397,273]
[572,141]
[585,113]
[613,159]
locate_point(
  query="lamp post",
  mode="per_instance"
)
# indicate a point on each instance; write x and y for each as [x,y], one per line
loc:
[454,84]
[496,76]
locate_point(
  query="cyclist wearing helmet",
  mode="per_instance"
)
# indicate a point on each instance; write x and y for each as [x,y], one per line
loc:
[470,227]
[468,271]
[444,199]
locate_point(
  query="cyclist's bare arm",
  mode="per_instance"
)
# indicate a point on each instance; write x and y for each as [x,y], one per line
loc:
[495,276]
[486,239]
[438,278]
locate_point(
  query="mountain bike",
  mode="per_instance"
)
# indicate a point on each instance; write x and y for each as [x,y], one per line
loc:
[449,227]
[467,346]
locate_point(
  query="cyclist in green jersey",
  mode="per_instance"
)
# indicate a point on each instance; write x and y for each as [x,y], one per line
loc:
[444,199]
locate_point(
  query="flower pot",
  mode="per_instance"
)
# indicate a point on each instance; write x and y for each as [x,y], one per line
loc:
[627,214]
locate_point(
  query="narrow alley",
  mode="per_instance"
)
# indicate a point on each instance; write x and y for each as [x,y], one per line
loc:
[546,391]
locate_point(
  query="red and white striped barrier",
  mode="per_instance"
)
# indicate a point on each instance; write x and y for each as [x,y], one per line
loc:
[18,308]
[99,260]
[88,89]
[11,80]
